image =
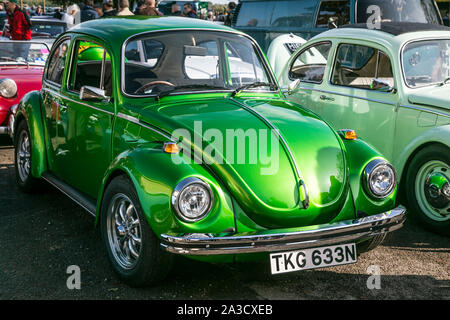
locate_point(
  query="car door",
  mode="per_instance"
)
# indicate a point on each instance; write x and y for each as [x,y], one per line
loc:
[361,94]
[89,112]
[308,66]
[54,105]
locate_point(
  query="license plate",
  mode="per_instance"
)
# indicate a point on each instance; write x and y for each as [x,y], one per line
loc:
[282,262]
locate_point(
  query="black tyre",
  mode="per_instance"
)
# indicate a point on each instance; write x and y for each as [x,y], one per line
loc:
[370,244]
[132,247]
[22,159]
[427,188]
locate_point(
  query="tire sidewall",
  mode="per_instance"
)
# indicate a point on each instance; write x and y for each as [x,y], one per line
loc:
[434,152]
[27,184]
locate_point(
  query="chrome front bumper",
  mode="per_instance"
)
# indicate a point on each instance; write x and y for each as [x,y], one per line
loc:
[294,238]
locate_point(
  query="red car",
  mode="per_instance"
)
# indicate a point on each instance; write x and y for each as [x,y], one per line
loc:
[21,67]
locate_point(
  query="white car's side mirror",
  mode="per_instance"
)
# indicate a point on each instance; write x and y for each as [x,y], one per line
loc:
[293,86]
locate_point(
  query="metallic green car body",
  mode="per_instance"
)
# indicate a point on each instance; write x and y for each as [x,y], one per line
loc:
[125,136]
[399,124]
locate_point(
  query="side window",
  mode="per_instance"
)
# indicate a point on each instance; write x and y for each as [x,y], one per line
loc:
[357,66]
[333,9]
[255,14]
[309,65]
[56,65]
[92,67]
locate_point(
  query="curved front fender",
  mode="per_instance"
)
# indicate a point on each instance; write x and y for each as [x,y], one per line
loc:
[154,175]
[439,134]
[359,154]
[30,110]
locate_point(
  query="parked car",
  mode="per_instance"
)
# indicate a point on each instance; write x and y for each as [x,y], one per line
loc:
[266,20]
[200,7]
[21,67]
[393,87]
[130,123]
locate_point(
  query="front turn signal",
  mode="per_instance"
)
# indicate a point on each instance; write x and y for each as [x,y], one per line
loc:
[171,147]
[348,134]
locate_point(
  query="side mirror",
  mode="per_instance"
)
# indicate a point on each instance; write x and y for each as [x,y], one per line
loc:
[333,23]
[89,93]
[381,85]
[293,86]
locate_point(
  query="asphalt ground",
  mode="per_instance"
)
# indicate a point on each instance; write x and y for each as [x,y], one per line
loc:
[42,234]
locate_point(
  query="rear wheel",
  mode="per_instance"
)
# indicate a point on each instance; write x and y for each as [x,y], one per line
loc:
[22,158]
[428,188]
[132,247]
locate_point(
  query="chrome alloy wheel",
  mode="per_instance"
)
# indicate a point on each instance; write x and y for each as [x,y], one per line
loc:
[23,156]
[432,188]
[124,231]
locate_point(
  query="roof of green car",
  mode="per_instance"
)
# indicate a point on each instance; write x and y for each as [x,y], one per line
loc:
[117,29]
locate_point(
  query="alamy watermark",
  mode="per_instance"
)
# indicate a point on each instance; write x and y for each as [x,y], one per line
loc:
[74,280]
[374,280]
[230,146]
[374,20]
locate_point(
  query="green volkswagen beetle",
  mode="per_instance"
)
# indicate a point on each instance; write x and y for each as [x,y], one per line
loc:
[392,85]
[174,135]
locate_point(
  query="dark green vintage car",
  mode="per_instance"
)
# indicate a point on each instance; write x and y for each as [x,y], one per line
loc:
[173,134]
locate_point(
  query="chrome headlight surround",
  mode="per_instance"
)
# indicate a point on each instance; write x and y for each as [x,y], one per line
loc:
[372,173]
[178,200]
[8,88]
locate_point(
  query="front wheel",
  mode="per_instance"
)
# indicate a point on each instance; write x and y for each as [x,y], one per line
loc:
[428,188]
[132,247]
[22,158]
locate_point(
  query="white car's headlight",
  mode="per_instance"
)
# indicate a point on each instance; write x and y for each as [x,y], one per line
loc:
[8,88]
[380,178]
[192,199]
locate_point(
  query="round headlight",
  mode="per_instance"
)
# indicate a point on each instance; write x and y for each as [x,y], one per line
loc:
[380,178]
[8,88]
[192,199]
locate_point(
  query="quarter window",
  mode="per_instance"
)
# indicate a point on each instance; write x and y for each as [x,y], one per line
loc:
[358,66]
[55,70]
[333,9]
[92,67]
[309,66]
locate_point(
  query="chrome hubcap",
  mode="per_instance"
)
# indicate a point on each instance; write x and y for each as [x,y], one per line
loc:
[23,156]
[124,231]
[433,190]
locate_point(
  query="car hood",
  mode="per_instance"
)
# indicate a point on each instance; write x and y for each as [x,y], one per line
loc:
[432,96]
[260,170]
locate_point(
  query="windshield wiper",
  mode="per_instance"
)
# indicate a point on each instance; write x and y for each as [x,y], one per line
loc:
[190,86]
[254,85]
[444,82]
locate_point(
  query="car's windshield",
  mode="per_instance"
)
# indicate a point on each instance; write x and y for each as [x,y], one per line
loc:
[423,11]
[23,52]
[426,62]
[194,60]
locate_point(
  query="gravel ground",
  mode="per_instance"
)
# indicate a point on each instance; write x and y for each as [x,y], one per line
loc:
[42,234]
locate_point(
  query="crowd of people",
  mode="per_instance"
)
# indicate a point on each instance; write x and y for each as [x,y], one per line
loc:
[20,25]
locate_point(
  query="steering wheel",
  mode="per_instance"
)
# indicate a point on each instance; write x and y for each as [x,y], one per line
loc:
[153,83]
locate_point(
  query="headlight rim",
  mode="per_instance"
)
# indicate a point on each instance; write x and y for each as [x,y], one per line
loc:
[369,169]
[16,88]
[179,189]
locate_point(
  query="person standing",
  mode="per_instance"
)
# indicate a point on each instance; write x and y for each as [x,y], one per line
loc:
[88,12]
[108,9]
[176,10]
[18,20]
[124,8]
[149,9]
[229,18]
[189,11]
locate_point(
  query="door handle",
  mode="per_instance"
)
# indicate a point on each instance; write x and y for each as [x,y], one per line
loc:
[325,98]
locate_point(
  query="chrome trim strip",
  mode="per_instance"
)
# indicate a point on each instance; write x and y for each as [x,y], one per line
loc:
[147,126]
[75,101]
[300,182]
[426,110]
[339,232]
[350,96]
